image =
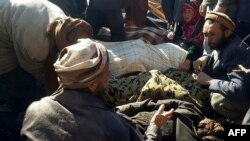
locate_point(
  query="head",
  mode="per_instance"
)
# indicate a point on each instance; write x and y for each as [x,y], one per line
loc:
[83,65]
[190,11]
[217,29]
[65,32]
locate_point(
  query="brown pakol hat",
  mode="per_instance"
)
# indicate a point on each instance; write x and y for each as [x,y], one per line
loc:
[222,19]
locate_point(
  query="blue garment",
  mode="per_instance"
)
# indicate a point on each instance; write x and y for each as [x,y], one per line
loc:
[226,82]
[243,11]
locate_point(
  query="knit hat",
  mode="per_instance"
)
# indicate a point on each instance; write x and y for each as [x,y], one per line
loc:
[81,64]
[222,19]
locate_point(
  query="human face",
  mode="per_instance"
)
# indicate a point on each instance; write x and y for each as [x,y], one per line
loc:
[214,35]
[187,15]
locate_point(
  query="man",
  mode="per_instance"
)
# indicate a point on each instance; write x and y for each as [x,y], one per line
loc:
[26,54]
[23,47]
[216,71]
[78,110]
[107,13]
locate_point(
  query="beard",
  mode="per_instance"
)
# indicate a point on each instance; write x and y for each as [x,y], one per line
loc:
[219,45]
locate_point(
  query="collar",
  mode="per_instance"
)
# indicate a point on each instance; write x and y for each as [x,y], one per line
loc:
[77,98]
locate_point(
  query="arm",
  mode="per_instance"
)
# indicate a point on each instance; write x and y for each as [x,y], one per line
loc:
[222,5]
[158,120]
[236,87]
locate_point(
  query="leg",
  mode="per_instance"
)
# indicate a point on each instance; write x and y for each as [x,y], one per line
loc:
[232,109]
[95,19]
[116,24]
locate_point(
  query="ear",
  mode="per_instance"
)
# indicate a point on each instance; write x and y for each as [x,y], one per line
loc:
[227,33]
[92,87]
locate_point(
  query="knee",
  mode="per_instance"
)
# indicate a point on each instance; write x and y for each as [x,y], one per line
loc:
[217,101]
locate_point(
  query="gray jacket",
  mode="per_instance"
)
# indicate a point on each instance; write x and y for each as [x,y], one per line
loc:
[76,116]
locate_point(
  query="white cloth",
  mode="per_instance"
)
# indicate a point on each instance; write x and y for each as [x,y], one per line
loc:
[81,64]
[136,55]
[23,39]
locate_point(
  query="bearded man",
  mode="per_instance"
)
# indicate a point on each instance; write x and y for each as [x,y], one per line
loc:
[78,109]
[216,71]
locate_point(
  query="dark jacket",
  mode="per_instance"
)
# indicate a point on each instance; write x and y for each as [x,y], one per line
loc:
[237,87]
[71,115]
[243,13]
[229,57]
[226,81]
[106,4]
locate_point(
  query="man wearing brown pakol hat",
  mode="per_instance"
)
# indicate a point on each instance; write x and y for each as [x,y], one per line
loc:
[214,71]
[77,111]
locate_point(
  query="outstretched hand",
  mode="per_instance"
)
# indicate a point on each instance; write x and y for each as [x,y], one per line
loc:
[242,69]
[161,116]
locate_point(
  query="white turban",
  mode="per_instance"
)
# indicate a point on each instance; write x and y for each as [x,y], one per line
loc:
[81,64]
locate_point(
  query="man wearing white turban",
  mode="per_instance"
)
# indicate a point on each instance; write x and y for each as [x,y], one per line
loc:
[77,110]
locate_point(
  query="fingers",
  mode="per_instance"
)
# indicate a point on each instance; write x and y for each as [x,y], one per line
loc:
[167,115]
[241,67]
[160,110]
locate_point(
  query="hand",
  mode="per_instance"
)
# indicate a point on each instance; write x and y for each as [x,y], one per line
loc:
[161,117]
[170,35]
[220,9]
[203,9]
[242,69]
[185,65]
[199,64]
[203,79]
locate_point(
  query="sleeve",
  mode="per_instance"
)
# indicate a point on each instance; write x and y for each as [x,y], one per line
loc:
[29,33]
[236,87]
[153,133]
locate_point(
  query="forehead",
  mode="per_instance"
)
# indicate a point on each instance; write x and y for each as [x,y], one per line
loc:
[211,27]
[189,10]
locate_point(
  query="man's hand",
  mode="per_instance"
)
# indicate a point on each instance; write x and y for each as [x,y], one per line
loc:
[185,65]
[203,79]
[170,35]
[220,9]
[199,64]
[161,117]
[203,9]
[242,69]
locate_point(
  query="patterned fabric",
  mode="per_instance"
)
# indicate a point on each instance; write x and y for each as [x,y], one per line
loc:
[152,85]
[150,34]
[136,55]
[187,80]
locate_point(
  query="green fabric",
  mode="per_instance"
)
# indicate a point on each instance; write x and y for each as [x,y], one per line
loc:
[187,80]
[229,108]
[155,85]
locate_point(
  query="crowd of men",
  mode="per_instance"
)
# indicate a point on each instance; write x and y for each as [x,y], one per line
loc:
[54,71]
